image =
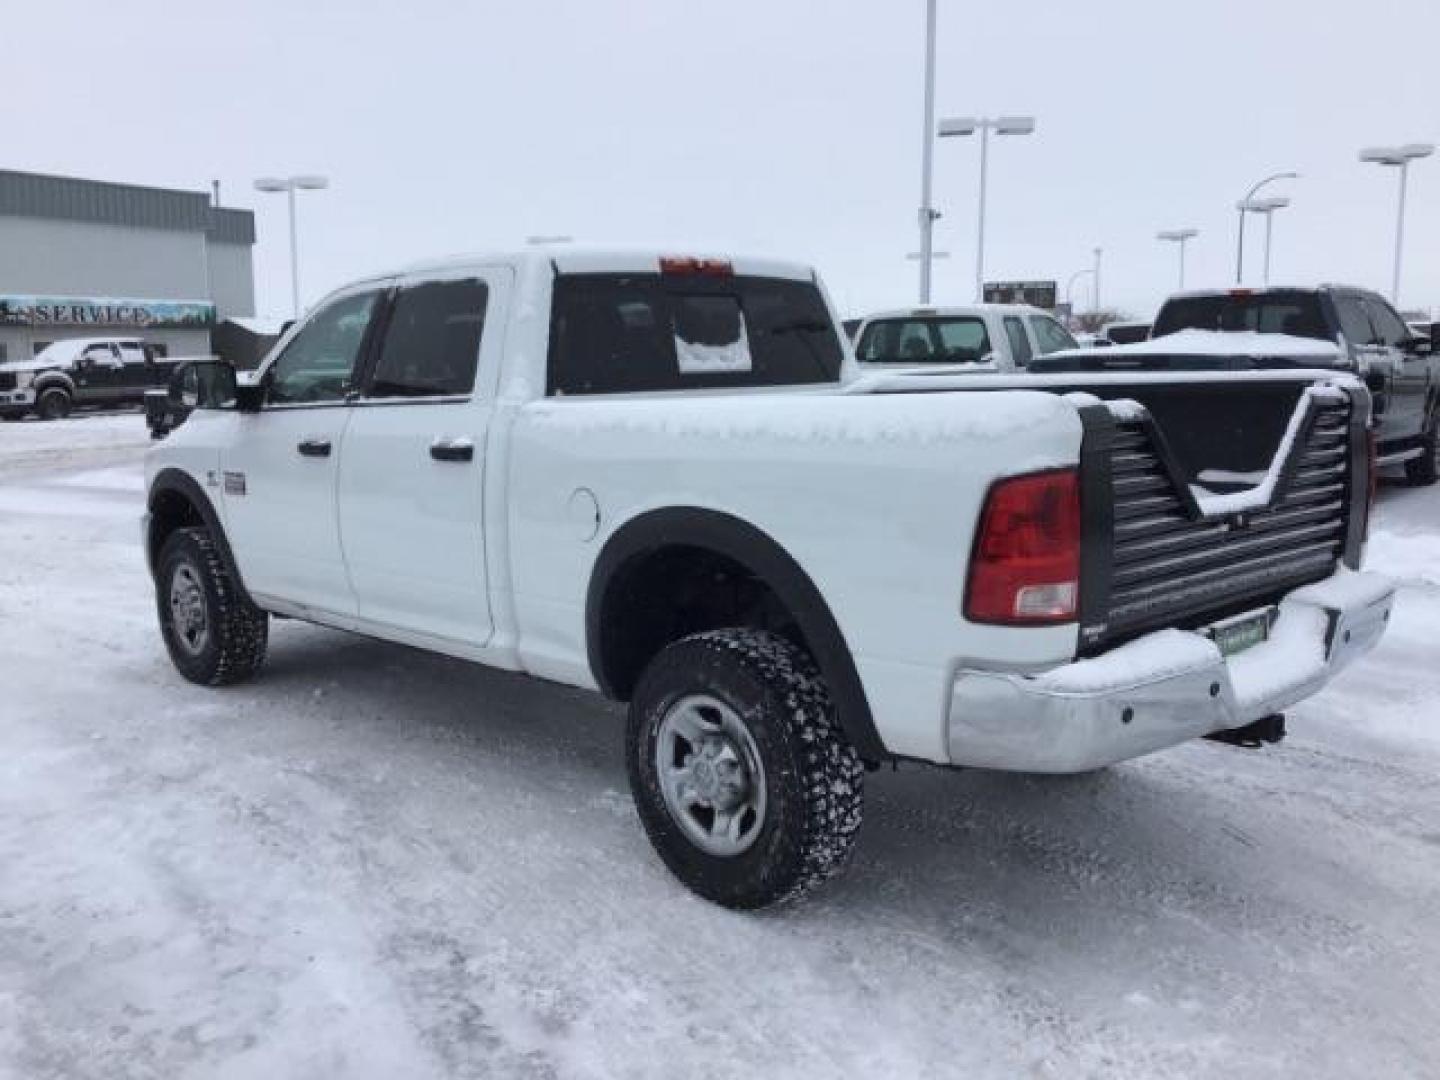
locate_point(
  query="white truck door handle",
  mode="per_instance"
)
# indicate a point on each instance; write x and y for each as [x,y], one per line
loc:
[453,449]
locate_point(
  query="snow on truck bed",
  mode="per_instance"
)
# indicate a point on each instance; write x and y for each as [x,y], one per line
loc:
[376,862]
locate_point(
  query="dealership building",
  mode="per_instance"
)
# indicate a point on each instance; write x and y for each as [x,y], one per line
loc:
[85,258]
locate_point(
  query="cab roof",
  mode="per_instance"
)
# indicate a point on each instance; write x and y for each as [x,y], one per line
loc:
[585,259]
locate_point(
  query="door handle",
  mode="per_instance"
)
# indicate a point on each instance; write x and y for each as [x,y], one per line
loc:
[314,447]
[453,449]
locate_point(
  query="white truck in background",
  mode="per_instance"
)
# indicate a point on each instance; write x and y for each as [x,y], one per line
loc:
[663,478]
[974,338]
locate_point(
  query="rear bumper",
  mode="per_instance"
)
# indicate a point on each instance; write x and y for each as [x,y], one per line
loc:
[1164,688]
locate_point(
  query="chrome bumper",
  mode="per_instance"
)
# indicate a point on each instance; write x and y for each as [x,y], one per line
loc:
[1164,688]
[11,399]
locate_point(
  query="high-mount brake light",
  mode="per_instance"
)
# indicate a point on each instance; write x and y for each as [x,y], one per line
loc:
[1242,292]
[1025,569]
[687,264]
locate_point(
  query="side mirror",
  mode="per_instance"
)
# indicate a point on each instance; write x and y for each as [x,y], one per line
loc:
[203,384]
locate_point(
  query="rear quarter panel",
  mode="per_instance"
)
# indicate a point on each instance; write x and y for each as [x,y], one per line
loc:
[875,496]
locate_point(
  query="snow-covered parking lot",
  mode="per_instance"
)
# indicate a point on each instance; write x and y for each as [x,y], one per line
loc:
[375,862]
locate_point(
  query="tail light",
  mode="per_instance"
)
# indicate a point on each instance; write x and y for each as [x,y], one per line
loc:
[1025,569]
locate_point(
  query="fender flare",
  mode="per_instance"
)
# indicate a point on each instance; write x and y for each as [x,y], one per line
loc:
[752,548]
[176,481]
[48,380]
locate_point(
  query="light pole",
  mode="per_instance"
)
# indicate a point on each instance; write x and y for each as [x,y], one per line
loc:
[1179,237]
[1268,208]
[1070,288]
[290,185]
[927,157]
[1096,283]
[1399,157]
[1240,243]
[1001,125]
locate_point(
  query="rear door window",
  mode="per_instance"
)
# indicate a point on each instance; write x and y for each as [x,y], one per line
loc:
[1019,342]
[1354,322]
[1389,327]
[625,333]
[432,341]
[1050,336]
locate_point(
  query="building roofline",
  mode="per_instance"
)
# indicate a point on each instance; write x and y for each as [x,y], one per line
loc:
[104,202]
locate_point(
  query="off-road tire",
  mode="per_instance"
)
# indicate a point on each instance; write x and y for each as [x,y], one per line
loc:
[814,779]
[238,631]
[53,404]
[1425,469]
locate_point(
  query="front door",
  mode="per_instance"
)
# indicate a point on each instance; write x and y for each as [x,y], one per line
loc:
[412,464]
[279,473]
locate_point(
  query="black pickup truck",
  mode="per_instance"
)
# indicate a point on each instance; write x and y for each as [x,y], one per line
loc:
[82,372]
[1370,339]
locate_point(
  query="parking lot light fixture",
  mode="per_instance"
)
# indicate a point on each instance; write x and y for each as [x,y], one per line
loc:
[1179,237]
[1398,157]
[1240,206]
[289,185]
[968,125]
[1267,207]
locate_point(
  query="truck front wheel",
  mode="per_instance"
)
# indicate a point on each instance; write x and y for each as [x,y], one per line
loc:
[745,784]
[214,635]
[1425,469]
[53,404]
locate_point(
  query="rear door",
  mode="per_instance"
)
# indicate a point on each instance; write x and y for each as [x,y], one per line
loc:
[99,375]
[136,372]
[1410,372]
[412,464]
[1376,363]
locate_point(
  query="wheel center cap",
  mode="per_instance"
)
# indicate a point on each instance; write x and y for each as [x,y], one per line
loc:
[707,783]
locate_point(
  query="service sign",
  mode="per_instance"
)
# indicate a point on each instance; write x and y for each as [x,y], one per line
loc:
[41,311]
[1039,294]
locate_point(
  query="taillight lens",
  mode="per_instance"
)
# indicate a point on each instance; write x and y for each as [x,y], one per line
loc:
[1025,569]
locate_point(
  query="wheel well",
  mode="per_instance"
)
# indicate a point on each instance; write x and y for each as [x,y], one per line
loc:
[169,510]
[663,595]
[680,570]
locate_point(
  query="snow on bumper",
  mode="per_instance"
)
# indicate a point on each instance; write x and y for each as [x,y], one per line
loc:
[1164,688]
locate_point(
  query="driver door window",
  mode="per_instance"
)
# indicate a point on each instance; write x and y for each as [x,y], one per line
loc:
[318,365]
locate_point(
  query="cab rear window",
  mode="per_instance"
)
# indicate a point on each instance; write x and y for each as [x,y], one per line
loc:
[625,333]
[1277,312]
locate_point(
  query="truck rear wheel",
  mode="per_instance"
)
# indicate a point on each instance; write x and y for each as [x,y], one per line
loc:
[746,786]
[1425,469]
[214,635]
[53,404]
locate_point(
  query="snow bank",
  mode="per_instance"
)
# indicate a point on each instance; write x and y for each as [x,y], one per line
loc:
[1231,343]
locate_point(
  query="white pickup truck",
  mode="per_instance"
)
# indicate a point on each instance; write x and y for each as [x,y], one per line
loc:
[974,338]
[662,478]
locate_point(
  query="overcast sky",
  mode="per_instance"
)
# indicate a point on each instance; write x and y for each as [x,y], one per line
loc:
[787,127]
